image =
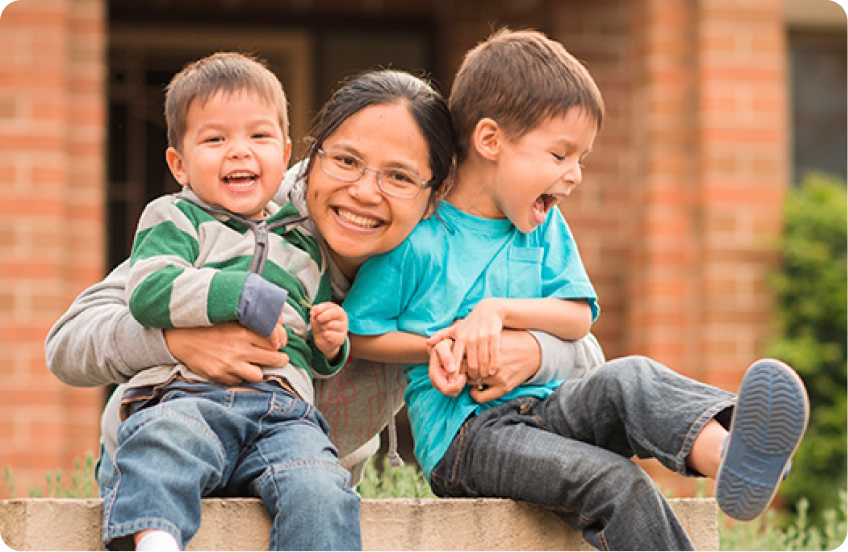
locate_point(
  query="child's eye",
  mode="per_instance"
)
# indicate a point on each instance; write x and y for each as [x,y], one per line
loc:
[213,139]
[558,157]
[260,135]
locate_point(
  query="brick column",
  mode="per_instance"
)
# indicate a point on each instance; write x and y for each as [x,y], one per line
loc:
[712,174]
[52,161]
[710,142]
[663,296]
[743,145]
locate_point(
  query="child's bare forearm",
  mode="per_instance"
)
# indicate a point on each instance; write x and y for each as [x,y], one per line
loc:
[562,318]
[397,347]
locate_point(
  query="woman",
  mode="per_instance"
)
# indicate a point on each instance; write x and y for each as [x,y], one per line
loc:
[382,119]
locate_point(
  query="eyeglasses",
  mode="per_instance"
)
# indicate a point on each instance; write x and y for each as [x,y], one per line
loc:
[392,181]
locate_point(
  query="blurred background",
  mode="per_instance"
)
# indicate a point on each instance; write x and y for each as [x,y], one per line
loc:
[718,112]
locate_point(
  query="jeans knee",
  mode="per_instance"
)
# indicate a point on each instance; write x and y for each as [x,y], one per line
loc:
[632,484]
[311,506]
[309,484]
[628,369]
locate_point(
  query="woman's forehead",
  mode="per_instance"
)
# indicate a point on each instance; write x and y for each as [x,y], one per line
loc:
[386,132]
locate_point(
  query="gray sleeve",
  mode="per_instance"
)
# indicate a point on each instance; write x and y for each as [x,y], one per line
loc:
[97,341]
[566,359]
[261,304]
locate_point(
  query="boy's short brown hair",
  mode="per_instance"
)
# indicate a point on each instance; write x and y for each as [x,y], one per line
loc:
[519,78]
[227,72]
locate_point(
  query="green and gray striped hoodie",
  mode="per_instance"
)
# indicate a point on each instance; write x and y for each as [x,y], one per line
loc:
[193,265]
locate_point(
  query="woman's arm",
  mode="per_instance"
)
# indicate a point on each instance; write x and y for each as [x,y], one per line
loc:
[97,342]
[477,337]
[531,358]
[536,358]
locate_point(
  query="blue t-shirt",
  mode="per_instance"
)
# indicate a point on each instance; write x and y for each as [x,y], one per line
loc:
[448,264]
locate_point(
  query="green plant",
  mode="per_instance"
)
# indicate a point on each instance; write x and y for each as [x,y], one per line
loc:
[769,532]
[810,288]
[82,485]
[9,481]
[384,481]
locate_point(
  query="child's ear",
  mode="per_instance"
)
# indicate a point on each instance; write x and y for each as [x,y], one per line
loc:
[175,163]
[486,138]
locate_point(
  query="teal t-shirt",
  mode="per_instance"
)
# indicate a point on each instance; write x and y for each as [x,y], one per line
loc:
[448,264]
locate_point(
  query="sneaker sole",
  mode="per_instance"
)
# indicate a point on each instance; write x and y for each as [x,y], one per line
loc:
[769,420]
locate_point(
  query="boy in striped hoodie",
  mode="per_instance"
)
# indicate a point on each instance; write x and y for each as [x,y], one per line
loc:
[221,251]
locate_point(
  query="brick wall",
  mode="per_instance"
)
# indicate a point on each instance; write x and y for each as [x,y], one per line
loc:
[51,222]
[675,219]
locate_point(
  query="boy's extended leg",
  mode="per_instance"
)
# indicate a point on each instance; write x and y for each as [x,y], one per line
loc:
[637,406]
[503,453]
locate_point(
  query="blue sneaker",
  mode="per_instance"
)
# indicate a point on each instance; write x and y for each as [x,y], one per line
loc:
[770,417]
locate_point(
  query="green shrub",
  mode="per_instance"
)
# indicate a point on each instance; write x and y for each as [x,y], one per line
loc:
[384,481]
[810,288]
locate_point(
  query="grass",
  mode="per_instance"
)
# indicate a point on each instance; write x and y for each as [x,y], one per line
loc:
[773,531]
[82,483]
[770,532]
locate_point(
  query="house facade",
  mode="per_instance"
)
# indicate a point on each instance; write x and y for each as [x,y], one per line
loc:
[676,219]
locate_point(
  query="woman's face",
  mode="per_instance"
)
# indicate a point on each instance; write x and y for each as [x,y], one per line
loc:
[356,219]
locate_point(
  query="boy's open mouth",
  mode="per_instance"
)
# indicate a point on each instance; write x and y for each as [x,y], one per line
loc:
[240,179]
[544,202]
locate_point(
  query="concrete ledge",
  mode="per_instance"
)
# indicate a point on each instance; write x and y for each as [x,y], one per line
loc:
[394,524]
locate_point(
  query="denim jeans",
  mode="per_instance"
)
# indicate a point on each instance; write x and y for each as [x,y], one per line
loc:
[229,443]
[571,452]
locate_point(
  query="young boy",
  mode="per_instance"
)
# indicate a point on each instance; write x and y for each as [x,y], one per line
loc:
[497,254]
[221,251]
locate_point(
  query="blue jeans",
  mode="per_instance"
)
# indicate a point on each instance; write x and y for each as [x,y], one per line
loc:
[229,443]
[571,452]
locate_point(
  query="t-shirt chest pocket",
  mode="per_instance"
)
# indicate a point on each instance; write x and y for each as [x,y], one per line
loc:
[524,271]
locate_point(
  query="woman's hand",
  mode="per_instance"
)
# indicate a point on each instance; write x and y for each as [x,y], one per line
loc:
[520,359]
[227,354]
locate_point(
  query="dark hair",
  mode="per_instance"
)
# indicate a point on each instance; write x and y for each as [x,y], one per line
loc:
[227,72]
[386,86]
[518,78]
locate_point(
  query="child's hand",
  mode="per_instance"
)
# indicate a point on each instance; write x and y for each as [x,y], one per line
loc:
[478,338]
[329,328]
[444,371]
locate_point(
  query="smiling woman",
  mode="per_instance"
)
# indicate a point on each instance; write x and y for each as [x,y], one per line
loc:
[357,219]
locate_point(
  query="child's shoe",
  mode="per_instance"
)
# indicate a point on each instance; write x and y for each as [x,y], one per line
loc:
[769,420]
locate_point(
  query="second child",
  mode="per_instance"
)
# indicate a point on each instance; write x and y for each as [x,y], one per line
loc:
[498,254]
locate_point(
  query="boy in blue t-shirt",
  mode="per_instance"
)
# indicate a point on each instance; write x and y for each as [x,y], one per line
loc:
[496,254]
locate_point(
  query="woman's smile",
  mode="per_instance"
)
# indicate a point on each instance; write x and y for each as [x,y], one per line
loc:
[359,221]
